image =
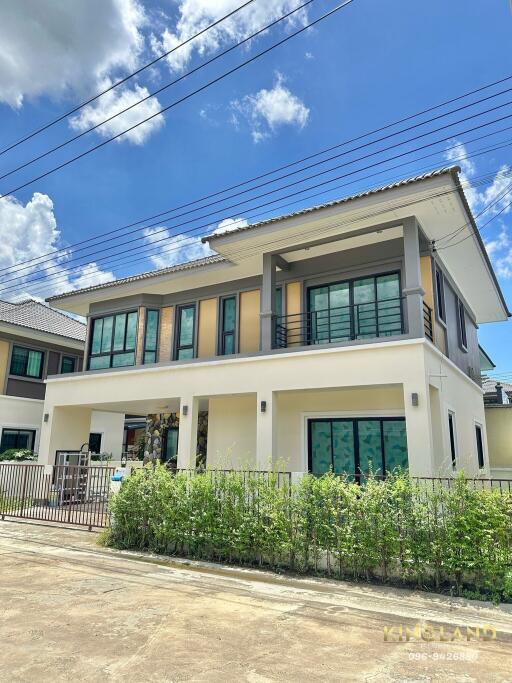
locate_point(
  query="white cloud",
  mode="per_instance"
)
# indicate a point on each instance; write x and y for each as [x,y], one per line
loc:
[51,47]
[498,243]
[229,224]
[115,101]
[27,232]
[195,15]
[267,110]
[174,249]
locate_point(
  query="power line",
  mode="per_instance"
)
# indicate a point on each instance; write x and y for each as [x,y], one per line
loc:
[123,80]
[157,92]
[275,170]
[293,183]
[185,97]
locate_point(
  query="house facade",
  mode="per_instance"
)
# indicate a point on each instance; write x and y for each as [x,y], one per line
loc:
[37,341]
[338,337]
[498,419]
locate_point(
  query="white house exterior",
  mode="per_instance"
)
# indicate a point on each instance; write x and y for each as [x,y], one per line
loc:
[343,336]
[36,341]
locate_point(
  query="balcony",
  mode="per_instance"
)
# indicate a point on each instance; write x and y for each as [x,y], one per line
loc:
[368,320]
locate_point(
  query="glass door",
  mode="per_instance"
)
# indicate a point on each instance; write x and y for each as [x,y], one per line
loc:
[329,313]
[170,448]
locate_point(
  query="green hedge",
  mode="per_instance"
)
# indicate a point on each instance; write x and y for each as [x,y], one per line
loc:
[397,530]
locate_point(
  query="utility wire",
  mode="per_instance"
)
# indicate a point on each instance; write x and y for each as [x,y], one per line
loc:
[185,97]
[271,172]
[301,180]
[31,135]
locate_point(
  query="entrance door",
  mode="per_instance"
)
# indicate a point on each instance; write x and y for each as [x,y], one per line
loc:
[357,445]
[170,448]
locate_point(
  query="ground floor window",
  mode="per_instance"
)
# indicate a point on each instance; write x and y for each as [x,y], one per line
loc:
[357,445]
[95,443]
[17,438]
[170,447]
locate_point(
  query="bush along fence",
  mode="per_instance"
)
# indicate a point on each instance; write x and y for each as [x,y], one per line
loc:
[456,537]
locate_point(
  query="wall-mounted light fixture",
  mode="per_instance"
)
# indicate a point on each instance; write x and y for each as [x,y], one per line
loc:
[46,417]
[414,399]
[184,410]
[263,406]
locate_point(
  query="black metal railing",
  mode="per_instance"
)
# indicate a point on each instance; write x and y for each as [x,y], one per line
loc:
[369,320]
[428,322]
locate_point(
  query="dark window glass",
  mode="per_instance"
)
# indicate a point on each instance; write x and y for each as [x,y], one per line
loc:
[357,445]
[461,317]
[151,336]
[228,325]
[17,438]
[479,446]
[451,429]
[186,332]
[68,364]
[441,312]
[113,341]
[356,309]
[94,442]
[278,306]
[170,449]
[26,362]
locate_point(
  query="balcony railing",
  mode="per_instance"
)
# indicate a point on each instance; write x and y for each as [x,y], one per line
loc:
[367,320]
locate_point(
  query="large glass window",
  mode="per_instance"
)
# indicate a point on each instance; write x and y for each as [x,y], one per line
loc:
[17,438]
[185,338]
[357,445]
[68,364]
[355,309]
[26,362]
[151,335]
[113,341]
[228,325]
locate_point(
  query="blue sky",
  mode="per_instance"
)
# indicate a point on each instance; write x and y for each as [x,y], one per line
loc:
[372,63]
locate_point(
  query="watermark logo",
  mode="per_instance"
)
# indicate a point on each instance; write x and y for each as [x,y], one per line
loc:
[400,633]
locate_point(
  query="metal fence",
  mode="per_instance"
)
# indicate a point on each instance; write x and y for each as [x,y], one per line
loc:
[67,494]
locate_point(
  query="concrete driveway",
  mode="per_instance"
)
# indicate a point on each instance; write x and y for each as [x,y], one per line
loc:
[71,611]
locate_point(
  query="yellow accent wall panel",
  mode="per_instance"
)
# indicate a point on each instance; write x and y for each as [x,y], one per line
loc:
[165,346]
[4,357]
[426,279]
[293,306]
[249,321]
[207,328]
[140,335]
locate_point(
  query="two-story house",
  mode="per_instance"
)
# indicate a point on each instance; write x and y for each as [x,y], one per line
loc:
[342,336]
[37,341]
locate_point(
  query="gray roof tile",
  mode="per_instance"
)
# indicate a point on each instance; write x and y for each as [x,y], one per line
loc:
[34,315]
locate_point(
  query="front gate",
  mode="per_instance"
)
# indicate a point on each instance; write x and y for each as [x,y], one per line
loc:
[66,494]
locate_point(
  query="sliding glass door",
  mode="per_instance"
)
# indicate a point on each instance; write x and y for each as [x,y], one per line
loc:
[355,309]
[357,445]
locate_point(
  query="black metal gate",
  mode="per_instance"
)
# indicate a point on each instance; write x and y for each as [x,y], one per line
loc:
[66,494]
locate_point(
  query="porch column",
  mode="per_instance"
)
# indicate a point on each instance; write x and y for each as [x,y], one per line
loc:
[187,436]
[418,424]
[413,290]
[268,288]
[65,429]
[266,430]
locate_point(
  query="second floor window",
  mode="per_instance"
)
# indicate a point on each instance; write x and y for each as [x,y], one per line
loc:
[68,364]
[228,325]
[461,320]
[441,311]
[113,341]
[186,332]
[151,335]
[27,362]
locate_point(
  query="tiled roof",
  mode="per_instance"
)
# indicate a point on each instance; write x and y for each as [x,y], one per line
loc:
[336,202]
[188,265]
[34,315]
[218,259]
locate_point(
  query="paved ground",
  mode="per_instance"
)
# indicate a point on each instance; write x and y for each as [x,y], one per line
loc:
[70,611]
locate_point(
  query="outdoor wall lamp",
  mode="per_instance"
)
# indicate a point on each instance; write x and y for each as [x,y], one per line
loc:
[263,406]
[46,417]
[184,410]
[414,399]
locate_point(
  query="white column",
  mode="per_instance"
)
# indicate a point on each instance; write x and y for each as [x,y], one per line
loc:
[63,429]
[187,437]
[413,291]
[266,430]
[419,430]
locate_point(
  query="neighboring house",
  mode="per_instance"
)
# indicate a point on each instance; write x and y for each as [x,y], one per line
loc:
[342,336]
[498,417]
[35,342]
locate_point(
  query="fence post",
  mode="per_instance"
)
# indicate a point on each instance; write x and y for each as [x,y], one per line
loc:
[23,489]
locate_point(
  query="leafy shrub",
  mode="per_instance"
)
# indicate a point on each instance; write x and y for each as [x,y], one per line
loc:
[458,538]
[101,457]
[18,455]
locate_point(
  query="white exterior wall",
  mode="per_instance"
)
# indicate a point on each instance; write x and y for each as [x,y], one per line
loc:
[21,413]
[111,428]
[232,432]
